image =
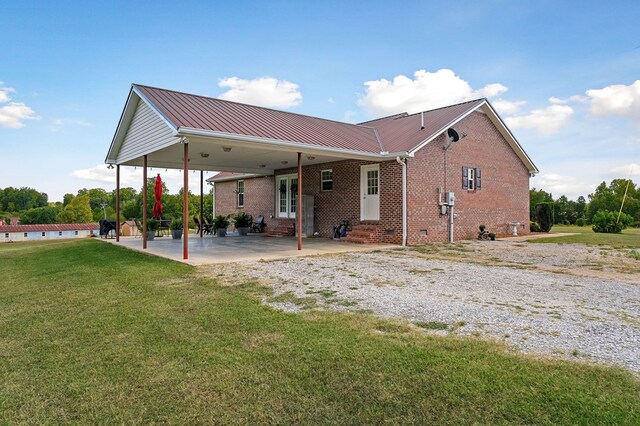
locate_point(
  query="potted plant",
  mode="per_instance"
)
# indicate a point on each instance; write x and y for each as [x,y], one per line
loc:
[152,227]
[176,229]
[220,224]
[492,236]
[242,222]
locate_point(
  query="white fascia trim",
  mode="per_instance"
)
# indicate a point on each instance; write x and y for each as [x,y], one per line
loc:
[292,146]
[532,169]
[443,129]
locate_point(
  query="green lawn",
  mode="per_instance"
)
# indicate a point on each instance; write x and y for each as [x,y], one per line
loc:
[91,333]
[629,238]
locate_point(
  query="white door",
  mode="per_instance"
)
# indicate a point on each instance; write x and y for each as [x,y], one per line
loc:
[370,192]
[287,196]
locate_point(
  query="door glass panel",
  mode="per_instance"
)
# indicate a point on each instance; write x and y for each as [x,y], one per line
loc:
[372,182]
[282,196]
[294,194]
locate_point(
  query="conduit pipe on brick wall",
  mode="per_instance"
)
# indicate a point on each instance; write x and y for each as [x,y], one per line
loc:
[403,162]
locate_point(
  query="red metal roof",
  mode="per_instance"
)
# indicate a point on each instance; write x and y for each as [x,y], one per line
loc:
[395,133]
[199,112]
[51,227]
[402,132]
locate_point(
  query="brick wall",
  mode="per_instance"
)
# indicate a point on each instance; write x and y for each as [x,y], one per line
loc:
[503,198]
[258,197]
[343,201]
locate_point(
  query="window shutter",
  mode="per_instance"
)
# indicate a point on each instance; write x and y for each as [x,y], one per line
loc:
[465,178]
[478,179]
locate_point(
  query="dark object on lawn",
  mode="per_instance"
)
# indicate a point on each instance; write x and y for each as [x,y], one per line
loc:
[258,225]
[106,226]
[492,236]
[341,230]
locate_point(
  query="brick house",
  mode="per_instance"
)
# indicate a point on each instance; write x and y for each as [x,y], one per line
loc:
[488,175]
[388,177]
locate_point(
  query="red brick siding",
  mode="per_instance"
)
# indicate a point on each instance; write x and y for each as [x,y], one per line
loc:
[503,198]
[343,202]
[258,197]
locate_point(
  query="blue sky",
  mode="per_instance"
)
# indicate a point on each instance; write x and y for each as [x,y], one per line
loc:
[562,74]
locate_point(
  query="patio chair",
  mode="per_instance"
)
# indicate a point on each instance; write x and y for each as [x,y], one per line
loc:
[258,225]
[198,226]
[208,227]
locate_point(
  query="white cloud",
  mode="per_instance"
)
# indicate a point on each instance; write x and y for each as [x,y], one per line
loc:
[4,93]
[13,114]
[507,107]
[546,121]
[617,99]
[131,176]
[558,185]
[560,101]
[263,91]
[58,123]
[427,90]
[626,170]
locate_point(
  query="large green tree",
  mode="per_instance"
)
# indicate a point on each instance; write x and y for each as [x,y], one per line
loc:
[39,215]
[610,198]
[21,199]
[77,211]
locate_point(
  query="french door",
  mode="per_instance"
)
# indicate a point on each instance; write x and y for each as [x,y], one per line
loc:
[287,196]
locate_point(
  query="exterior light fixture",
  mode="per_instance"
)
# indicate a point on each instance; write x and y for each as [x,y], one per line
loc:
[204,154]
[284,162]
[226,148]
[311,158]
[110,167]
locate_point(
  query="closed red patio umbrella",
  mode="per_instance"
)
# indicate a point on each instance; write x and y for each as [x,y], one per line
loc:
[157,190]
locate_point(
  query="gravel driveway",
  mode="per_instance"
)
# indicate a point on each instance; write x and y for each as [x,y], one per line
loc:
[532,300]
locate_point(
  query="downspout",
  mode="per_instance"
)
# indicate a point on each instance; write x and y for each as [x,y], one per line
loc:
[403,162]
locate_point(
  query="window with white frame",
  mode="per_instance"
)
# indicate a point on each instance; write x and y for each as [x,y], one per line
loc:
[44,234]
[6,235]
[326,180]
[25,235]
[240,193]
[76,232]
[60,233]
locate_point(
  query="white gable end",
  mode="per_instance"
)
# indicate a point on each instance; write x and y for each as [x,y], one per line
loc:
[147,132]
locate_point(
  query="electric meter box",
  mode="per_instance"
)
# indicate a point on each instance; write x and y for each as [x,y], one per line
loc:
[449,198]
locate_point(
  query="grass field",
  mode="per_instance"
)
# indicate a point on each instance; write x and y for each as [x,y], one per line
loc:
[629,238]
[91,333]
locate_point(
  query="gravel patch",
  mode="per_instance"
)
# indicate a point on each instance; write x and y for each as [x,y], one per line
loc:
[533,310]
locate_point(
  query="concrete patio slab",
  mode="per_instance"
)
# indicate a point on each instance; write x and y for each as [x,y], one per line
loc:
[211,250]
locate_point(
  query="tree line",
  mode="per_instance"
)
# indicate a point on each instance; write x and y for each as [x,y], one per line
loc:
[91,205]
[604,200]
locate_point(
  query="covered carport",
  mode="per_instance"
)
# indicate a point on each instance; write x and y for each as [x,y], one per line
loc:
[166,129]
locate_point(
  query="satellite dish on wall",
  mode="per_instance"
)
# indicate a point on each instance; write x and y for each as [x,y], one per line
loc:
[453,135]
